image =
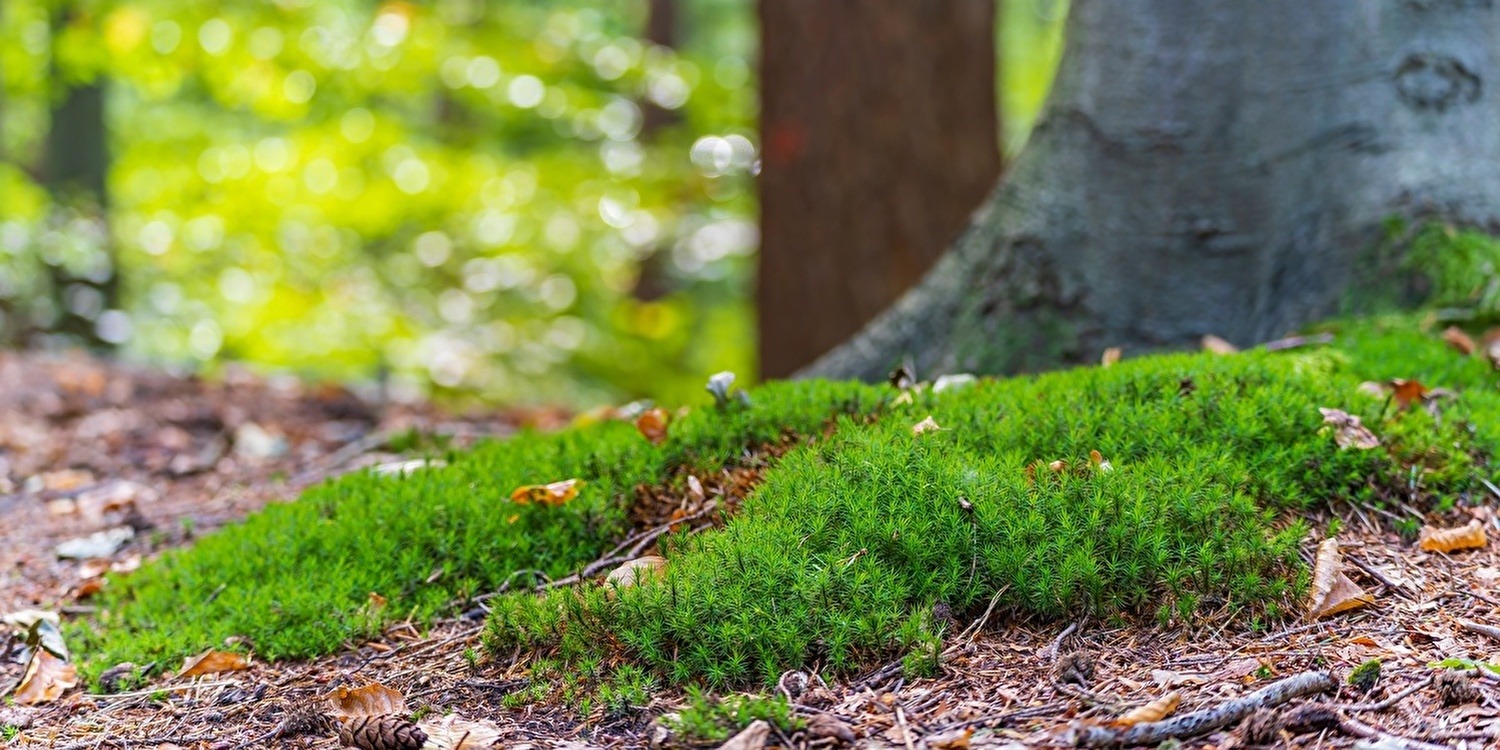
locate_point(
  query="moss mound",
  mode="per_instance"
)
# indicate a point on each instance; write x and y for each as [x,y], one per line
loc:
[857,545]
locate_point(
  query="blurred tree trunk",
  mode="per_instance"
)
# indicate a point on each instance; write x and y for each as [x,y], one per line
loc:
[1218,167]
[76,171]
[879,137]
[661,30]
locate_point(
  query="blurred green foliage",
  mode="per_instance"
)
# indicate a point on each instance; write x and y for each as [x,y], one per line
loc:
[459,195]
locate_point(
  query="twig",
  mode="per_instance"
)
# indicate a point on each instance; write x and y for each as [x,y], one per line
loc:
[1376,573]
[1388,702]
[905,729]
[1050,654]
[1489,631]
[161,739]
[1088,696]
[1292,342]
[1207,720]
[978,625]
[1004,717]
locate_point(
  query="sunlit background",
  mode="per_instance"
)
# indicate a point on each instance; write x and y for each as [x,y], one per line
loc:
[510,200]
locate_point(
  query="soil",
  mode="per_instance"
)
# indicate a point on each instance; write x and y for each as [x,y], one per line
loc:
[87,446]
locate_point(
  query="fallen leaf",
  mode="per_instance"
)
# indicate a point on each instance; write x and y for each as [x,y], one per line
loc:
[652,424]
[47,677]
[1407,392]
[631,572]
[1156,710]
[555,493]
[953,739]
[953,382]
[454,733]
[25,618]
[752,737]
[1372,389]
[1332,591]
[1097,459]
[828,726]
[373,699]
[87,588]
[100,544]
[927,425]
[405,468]
[1212,343]
[1348,431]
[1168,679]
[212,662]
[1058,466]
[1111,356]
[1468,536]
[377,602]
[1459,340]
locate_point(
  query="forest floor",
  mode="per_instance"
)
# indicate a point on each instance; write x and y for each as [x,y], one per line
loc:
[91,447]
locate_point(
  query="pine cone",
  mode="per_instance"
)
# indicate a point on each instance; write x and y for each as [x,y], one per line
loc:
[381,733]
[1455,688]
[1076,668]
[1262,727]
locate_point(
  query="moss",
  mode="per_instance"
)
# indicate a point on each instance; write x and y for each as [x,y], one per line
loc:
[1366,676]
[710,721]
[852,543]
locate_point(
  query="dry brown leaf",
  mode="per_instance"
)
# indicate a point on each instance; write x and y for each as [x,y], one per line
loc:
[652,424]
[373,699]
[47,677]
[87,588]
[631,572]
[1212,343]
[454,733]
[1097,459]
[1348,431]
[1459,340]
[1058,466]
[953,739]
[1407,392]
[752,737]
[212,662]
[927,425]
[1156,710]
[1332,591]
[1111,356]
[555,493]
[1468,536]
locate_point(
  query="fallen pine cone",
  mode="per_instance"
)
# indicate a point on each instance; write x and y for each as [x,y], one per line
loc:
[385,732]
[1076,668]
[1455,688]
[1262,727]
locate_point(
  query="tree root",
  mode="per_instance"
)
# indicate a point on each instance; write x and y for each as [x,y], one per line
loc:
[1207,720]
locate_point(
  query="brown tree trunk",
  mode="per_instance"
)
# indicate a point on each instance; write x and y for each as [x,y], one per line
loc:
[880,136]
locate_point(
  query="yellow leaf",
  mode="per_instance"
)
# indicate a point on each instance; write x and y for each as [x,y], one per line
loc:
[212,662]
[927,425]
[47,677]
[1469,536]
[1348,431]
[555,493]
[373,699]
[1156,710]
[1332,591]
[652,424]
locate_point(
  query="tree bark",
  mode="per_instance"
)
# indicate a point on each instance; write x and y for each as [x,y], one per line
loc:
[880,134]
[1216,167]
[76,171]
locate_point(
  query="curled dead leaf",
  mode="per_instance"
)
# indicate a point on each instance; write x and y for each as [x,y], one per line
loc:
[927,425]
[1212,343]
[1156,710]
[47,677]
[1468,536]
[1097,459]
[652,424]
[212,662]
[1348,431]
[1332,591]
[1407,392]
[631,572]
[555,493]
[1111,356]
[373,699]
[1059,466]
[1462,342]
[454,733]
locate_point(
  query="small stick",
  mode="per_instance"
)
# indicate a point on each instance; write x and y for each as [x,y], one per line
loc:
[1051,653]
[1207,720]
[1489,631]
[905,730]
[1292,342]
[1375,573]
[1388,702]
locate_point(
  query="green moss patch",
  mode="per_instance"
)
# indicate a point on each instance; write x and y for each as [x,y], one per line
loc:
[860,545]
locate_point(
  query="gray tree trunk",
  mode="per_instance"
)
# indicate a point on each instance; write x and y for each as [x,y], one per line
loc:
[1208,166]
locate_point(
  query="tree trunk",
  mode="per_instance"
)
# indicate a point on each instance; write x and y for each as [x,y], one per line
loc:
[1216,167]
[880,135]
[76,172]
